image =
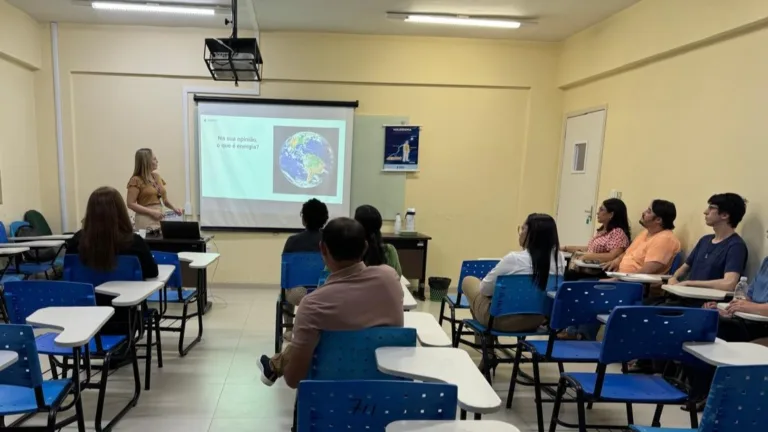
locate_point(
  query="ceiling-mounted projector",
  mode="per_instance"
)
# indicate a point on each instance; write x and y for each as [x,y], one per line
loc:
[233,59]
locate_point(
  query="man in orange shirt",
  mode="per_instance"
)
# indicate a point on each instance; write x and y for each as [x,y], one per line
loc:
[653,250]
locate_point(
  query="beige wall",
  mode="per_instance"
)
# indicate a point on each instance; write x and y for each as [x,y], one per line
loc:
[498,99]
[19,58]
[688,123]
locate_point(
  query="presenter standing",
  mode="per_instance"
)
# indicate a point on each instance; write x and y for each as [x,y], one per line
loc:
[147,193]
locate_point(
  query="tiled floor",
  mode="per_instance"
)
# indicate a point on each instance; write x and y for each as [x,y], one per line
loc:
[216,386]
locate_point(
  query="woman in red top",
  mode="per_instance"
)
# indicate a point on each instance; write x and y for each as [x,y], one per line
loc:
[610,240]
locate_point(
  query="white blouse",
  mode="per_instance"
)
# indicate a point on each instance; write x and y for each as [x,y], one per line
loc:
[516,263]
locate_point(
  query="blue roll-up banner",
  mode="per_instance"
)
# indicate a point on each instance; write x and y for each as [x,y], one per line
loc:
[401,148]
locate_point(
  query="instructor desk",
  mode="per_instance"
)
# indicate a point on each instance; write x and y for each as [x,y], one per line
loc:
[412,251]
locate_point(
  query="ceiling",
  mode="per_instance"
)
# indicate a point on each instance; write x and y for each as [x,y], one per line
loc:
[556,19]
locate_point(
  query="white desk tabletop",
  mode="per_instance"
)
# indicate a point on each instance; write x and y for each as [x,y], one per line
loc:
[129,293]
[404,282]
[638,277]
[164,272]
[450,426]
[199,260]
[603,318]
[428,330]
[35,244]
[409,303]
[694,292]
[728,353]
[78,325]
[743,315]
[13,251]
[8,358]
[45,237]
[449,365]
[580,263]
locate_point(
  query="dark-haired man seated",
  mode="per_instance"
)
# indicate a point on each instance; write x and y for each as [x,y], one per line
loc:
[354,297]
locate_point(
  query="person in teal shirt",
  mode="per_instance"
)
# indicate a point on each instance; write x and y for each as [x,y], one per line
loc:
[378,252]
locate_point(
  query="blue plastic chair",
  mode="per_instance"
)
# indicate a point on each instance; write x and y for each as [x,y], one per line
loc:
[676,263]
[576,303]
[351,355]
[656,333]
[15,227]
[736,402]
[371,405]
[23,389]
[512,295]
[301,269]
[20,267]
[128,269]
[177,294]
[476,268]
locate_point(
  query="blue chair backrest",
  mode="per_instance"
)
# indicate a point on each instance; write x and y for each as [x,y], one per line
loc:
[579,303]
[323,277]
[128,269]
[517,294]
[26,371]
[351,355]
[655,332]
[676,263]
[476,268]
[301,269]
[737,400]
[371,405]
[3,234]
[23,298]
[168,258]
[16,225]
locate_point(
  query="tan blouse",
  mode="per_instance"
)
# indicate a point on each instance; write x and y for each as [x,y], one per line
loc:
[148,193]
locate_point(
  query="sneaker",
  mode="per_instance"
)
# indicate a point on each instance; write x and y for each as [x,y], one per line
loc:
[268,376]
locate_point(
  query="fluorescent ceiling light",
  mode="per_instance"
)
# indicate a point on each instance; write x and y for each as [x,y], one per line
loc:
[463,21]
[137,7]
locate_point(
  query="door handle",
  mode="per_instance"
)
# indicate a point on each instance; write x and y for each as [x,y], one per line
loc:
[590,210]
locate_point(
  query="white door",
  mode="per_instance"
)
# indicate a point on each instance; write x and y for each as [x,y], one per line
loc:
[579,175]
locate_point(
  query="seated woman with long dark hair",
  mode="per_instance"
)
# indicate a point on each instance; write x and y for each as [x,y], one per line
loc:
[378,252]
[539,258]
[610,240]
[107,233]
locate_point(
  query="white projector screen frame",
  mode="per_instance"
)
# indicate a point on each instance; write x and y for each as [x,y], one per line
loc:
[230,205]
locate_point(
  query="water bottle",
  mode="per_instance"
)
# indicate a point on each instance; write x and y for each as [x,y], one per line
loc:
[740,293]
[398,224]
[410,220]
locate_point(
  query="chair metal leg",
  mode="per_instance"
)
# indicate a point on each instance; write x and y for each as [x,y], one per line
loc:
[54,369]
[454,335]
[442,312]
[581,411]
[148,360]
[485,358]
[537,392]
[560,367]
[556,406]
[630,414]
[478,416]
[693,414]
[457,334]
[515,372]
[657,416]
[158,342]
[463,415]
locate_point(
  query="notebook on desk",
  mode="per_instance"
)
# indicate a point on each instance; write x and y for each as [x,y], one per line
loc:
[178,230]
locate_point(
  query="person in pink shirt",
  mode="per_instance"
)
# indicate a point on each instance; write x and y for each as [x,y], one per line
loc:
[609,242]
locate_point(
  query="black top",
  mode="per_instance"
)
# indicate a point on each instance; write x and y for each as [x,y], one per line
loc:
[305,241]
[138,248]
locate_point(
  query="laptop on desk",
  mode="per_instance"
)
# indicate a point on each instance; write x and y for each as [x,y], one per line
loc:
[178,230]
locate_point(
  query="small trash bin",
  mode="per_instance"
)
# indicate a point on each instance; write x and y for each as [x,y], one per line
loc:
[438,288]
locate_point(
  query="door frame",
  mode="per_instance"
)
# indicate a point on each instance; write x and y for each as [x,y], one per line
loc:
[566,116]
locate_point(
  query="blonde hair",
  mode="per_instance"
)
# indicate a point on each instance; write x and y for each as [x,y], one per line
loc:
[142,168]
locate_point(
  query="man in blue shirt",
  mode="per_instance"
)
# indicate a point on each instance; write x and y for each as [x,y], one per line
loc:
[718,260]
